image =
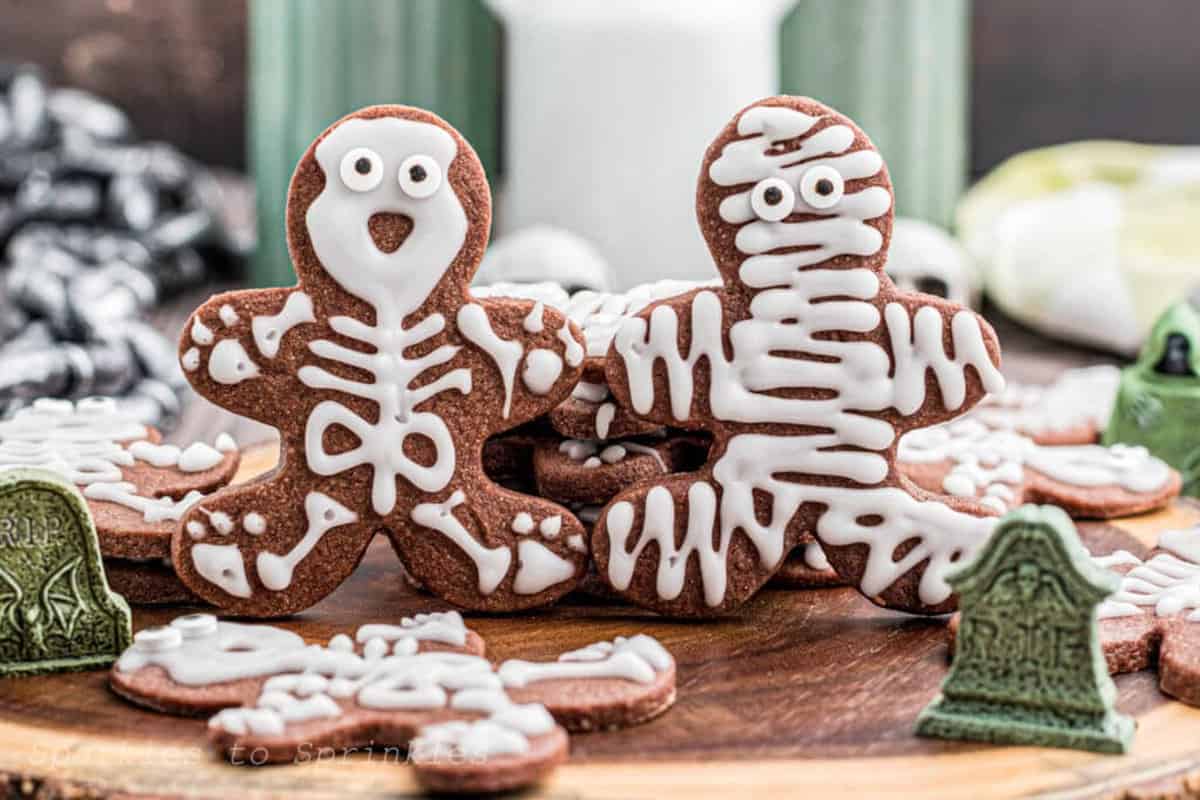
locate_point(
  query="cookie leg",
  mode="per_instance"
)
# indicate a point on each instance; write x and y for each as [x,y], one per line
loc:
[662,546]
[487,548]
[255,551]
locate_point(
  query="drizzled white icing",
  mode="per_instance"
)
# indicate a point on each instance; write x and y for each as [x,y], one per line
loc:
[505,353]
[199,650]
[799,307]
[230,364]
[539,568]
[991,464]
[583,451]
[591,392]
[269,330]
[542,369]
[637,658]
[153,509]
[1168,584]
[323,514]
[604,418]
[491,563]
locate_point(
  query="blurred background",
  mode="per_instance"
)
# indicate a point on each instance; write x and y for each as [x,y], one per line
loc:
[141,139]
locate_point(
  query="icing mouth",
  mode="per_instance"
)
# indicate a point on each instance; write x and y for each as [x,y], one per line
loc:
[388,231]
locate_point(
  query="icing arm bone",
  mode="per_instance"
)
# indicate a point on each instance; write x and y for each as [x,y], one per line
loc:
[239,347]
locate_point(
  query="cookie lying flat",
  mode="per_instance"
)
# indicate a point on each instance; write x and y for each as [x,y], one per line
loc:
[591,472]
[135,487]
[1154,617]
[463,731]
[1004,470]
[198,665]
[603,686]
[1072,410]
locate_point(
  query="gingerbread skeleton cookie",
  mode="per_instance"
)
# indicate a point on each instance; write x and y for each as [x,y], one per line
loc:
[806,365]
[136,487]
[384,378]
[1005,469]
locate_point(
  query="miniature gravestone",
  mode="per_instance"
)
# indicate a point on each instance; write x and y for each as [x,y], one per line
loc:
[56,610]
[1027,666]
[1158,402]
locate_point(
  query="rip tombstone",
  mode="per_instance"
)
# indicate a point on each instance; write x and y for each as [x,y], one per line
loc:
[56,610]
[1028,668]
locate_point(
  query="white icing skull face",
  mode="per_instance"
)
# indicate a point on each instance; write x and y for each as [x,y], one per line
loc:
[383,177]
[798,171]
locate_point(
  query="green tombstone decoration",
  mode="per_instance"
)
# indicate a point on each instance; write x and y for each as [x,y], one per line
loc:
[56,610]
[1158,402]
[1028,668]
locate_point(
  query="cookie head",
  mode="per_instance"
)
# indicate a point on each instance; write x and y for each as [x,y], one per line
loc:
[790,176]
[399,198]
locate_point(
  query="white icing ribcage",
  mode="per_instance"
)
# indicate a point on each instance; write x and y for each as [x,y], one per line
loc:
[381,443]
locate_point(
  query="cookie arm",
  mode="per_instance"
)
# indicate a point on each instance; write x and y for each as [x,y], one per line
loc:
[945,358]
[537,351]
[238,348]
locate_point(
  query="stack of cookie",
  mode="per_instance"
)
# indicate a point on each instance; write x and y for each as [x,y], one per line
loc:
[136,488]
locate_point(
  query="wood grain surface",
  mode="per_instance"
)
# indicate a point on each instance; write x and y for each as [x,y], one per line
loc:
[802,693]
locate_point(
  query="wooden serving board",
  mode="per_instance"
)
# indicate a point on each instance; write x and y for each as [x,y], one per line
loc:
[801,694]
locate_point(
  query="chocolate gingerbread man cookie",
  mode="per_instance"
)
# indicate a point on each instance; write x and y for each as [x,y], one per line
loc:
[806,365]
[384,378]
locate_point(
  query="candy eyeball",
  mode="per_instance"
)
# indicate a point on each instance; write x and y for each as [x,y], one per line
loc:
[822,187]
[362,169]
[420,176]
[772,199]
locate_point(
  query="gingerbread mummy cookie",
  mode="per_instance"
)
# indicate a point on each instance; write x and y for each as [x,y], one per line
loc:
[1004,470]
[136,487]
[806,365]
[198,664]
[384,378]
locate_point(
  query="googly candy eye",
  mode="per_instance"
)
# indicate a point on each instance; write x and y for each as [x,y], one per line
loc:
[822,187]
[420,176]
[362,169]
[772,199]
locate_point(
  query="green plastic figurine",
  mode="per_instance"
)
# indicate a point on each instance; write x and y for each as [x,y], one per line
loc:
[1158,403]
[1027,667]
[56,610]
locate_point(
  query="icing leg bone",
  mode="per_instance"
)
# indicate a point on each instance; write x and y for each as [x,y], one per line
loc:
[474,550]
[807,366]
